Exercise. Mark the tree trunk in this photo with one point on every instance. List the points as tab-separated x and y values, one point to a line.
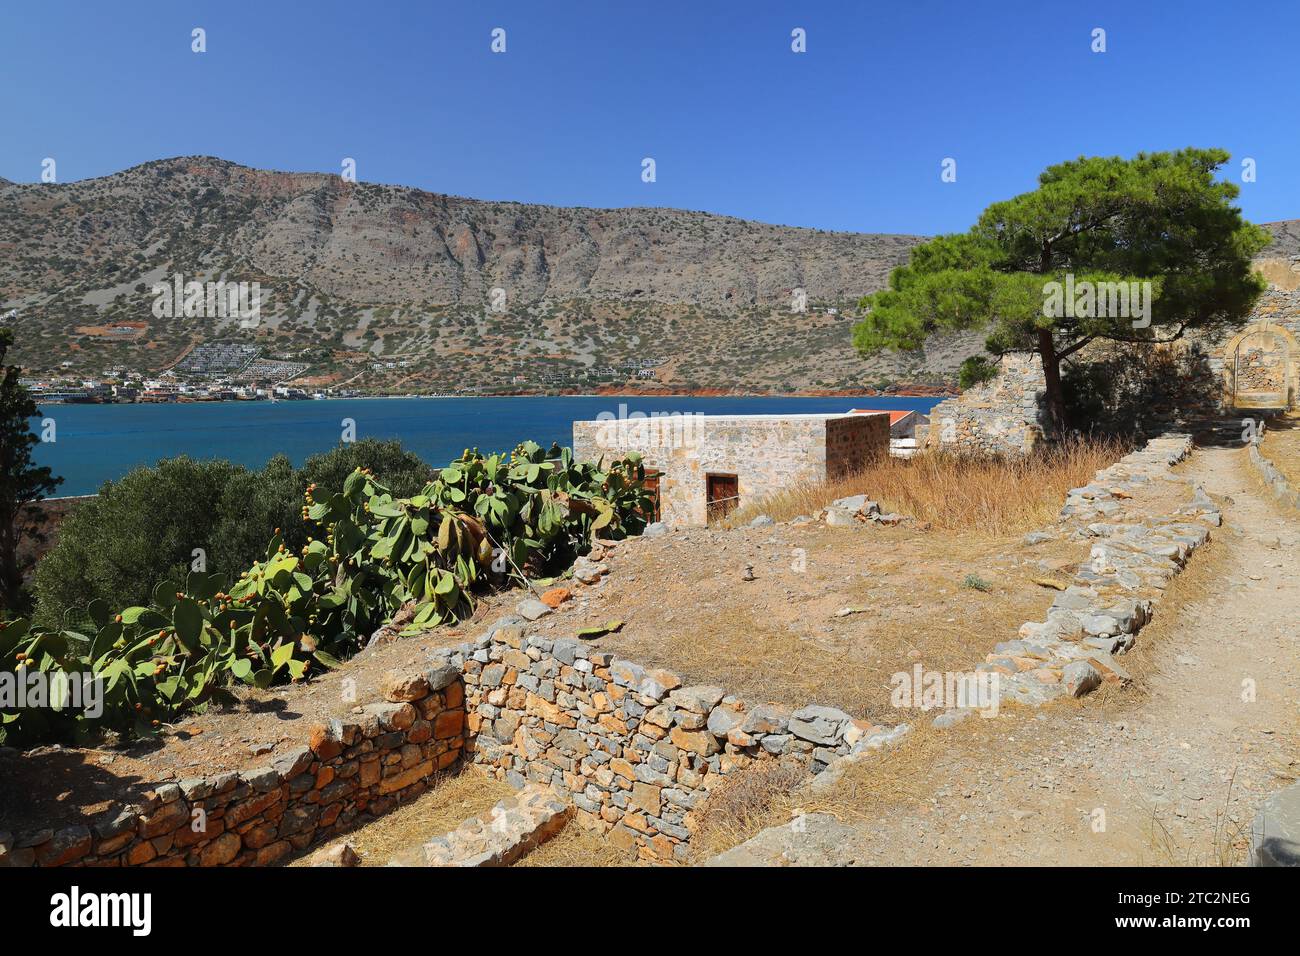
11	578
1052	375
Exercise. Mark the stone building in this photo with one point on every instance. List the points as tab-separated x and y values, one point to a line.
707	465
1251	369
1259	364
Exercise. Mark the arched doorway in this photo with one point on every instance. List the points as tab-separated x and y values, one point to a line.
1259	366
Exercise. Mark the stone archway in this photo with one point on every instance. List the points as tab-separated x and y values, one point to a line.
1260	367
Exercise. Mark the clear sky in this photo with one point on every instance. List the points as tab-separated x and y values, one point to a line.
848	135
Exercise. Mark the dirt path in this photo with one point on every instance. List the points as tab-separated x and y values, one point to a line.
1168	771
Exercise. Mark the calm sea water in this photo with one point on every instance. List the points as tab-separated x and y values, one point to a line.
97	443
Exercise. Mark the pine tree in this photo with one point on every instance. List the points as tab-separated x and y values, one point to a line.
1094	222
21	481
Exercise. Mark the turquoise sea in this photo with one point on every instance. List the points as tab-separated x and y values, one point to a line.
97	443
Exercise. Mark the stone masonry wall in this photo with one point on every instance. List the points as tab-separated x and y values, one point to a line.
1271	475
1002	416
765	452
1262	356
1135	553
350	770
849	445
636	751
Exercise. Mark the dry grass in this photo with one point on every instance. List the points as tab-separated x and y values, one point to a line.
573	847
778	639
955	492
1281	445
451	799
767	795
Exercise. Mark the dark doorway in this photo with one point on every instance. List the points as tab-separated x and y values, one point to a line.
722	493
651	485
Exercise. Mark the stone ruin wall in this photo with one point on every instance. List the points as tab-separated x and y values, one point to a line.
351	770
1004	416
766	453
637	752
849	445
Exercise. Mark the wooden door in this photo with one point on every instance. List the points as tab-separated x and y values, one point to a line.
722	494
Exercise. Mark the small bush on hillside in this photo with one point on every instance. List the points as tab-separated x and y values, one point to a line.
140	529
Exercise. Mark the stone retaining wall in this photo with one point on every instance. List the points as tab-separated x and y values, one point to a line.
636	751
1134	557
1277	482
350	770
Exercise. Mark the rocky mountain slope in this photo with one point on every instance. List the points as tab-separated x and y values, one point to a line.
392	288
383	283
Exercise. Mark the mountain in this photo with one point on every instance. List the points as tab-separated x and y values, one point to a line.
1286	239
387	288
393	287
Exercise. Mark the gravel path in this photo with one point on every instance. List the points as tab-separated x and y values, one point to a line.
1167	772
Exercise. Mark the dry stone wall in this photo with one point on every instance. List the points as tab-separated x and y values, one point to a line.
636	751
1277	483
1003	416
1134	556
350	770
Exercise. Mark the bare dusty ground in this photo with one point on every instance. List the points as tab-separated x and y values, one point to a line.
915	596
939	599
1167	771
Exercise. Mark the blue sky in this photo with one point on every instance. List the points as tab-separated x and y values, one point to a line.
849	135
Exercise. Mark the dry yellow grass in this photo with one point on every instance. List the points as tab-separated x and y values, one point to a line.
954	492
572	847
1281	445
451	799
768	795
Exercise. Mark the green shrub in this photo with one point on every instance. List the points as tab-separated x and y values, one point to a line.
145	527
403	472
478	524
139	530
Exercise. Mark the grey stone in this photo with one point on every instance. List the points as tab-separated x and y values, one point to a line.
532	609
1079	678
261	779
856	504
723	719
441	675
1275	831
699	699
819	725
766	719
881	739
294	762
654	530
815	839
